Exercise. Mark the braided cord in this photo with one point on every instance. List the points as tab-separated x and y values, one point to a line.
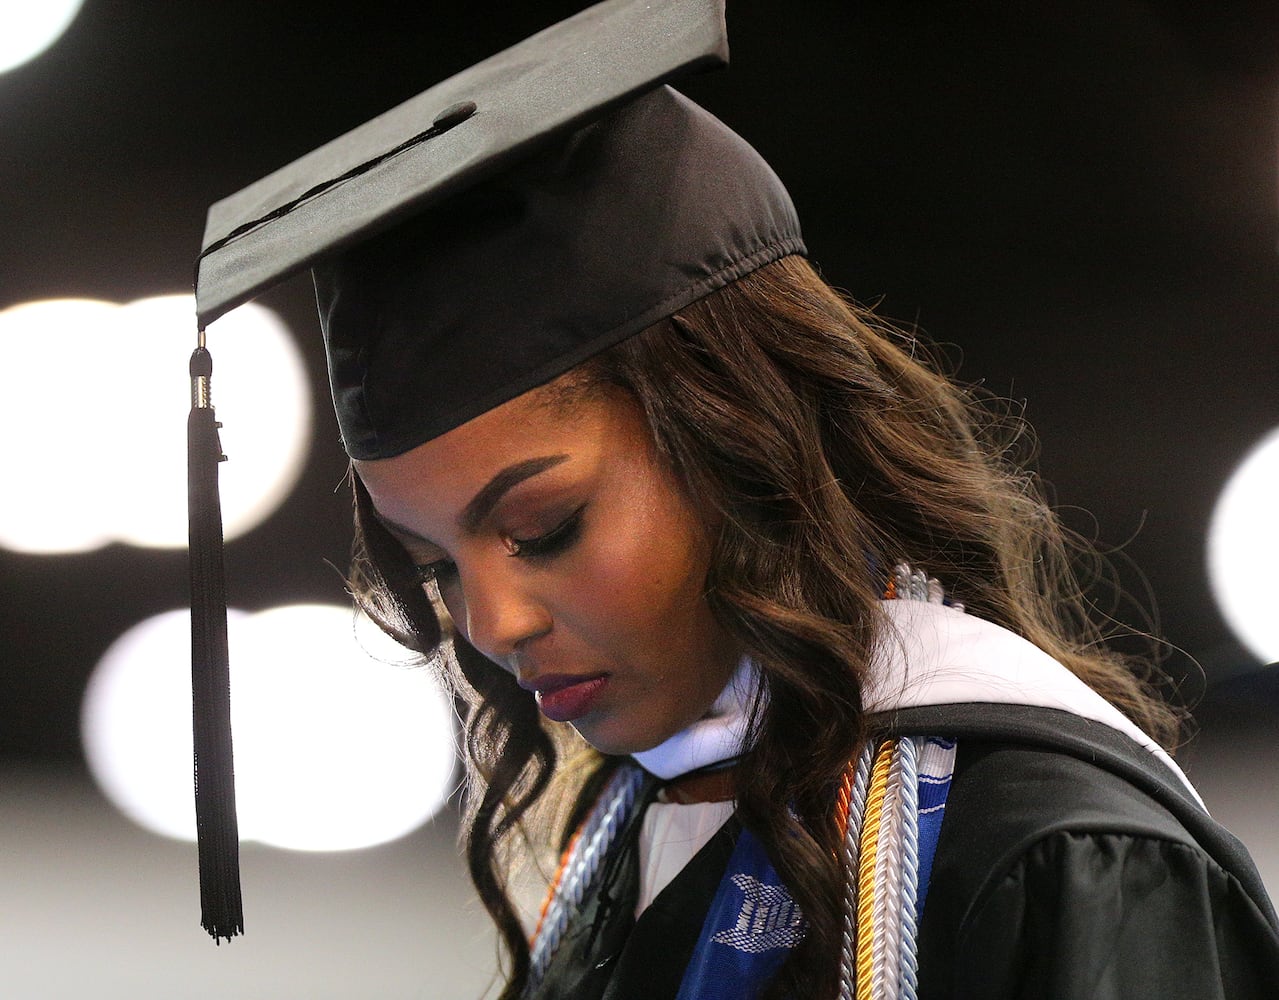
882	901
844	801
888	871
581	863
565	858
851	828
868	854
908	958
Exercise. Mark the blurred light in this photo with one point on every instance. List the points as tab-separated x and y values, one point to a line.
93	406
1243	549
28	27
135	723
340	742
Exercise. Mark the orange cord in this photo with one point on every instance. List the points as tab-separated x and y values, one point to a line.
844	800
555	883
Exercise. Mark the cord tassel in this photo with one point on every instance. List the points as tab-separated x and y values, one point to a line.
217	833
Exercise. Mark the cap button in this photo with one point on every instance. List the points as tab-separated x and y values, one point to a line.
454	114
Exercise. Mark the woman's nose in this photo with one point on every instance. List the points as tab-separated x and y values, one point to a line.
502	612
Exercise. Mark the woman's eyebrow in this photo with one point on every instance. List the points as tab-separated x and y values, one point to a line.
482	504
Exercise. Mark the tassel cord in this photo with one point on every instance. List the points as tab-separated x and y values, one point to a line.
221	910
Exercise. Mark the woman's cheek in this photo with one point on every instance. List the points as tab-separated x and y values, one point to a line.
454	603
642	584
607	577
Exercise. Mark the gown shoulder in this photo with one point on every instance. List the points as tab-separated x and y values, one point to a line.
1056	877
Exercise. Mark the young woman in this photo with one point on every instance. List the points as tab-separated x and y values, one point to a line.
771	655
740	484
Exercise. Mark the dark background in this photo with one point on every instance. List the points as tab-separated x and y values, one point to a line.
1079	198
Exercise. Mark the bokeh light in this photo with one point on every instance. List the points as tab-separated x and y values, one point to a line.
341	742
28	27
1243	549
93	406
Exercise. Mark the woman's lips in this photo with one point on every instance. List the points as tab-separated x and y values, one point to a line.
563	699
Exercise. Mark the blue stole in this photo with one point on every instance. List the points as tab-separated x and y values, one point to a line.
751	926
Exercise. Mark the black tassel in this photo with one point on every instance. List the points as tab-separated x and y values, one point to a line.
217	832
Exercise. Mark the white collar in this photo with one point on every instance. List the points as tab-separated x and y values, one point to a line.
720	735
928	654
936	655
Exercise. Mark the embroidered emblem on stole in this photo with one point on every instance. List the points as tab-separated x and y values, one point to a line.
768	918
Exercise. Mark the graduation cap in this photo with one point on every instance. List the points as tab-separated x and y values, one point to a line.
473	243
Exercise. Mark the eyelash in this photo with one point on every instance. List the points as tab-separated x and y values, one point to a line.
434	572
550	543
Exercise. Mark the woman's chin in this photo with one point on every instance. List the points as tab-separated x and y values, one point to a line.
614	740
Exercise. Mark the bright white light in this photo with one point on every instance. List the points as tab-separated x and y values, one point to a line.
1243	549
339	742
135	723
27	29
93	406
344	745
52	391
263	399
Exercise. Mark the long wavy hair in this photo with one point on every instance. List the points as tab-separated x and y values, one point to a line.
825	446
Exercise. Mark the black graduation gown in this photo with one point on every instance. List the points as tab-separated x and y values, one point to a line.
1070	865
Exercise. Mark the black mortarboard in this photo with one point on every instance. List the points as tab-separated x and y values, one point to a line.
481	239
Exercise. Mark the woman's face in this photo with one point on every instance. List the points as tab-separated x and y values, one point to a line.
567	553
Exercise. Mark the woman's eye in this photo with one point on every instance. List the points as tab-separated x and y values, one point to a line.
559	538
437	571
